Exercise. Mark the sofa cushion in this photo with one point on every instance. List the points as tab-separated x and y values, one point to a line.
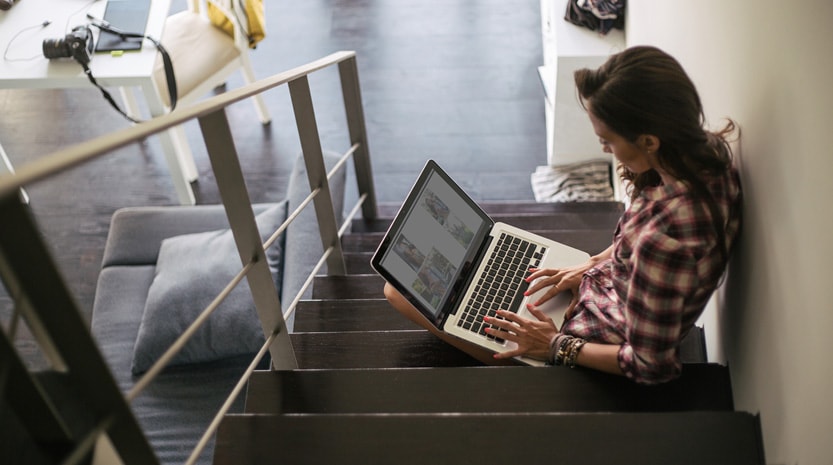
191	270
136	232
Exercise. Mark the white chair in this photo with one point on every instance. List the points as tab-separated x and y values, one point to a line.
203	58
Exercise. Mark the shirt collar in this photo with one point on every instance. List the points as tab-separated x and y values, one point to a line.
665	191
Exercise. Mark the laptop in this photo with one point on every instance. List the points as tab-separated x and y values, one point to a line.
448	258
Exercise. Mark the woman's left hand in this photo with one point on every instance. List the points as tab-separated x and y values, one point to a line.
532	336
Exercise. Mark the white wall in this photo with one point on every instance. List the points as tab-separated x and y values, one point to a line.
769	65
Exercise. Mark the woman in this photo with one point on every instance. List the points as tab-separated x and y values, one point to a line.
635	302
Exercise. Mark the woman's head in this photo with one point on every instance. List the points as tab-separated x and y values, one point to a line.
643	96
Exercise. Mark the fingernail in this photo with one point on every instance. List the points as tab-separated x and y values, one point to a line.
487	318
526	293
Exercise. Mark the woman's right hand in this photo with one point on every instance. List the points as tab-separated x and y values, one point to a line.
560	280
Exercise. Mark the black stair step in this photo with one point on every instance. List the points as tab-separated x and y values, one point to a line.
555	221
358	262
387	209
679	438
351	315
348	315
461	390
376	349
357	286
591	241
360	242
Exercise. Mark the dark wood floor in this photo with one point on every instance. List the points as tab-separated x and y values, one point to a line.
453	80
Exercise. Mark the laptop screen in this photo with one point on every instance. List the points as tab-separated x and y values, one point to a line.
428	251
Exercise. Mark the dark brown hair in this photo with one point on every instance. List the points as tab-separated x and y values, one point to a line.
643	90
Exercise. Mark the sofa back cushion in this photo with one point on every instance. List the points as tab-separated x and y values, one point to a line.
191	270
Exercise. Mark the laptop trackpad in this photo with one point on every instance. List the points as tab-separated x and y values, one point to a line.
554	308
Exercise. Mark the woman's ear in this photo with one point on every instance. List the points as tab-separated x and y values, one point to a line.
649	143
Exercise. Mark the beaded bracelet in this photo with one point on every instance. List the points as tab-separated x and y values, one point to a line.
558	350
564	350
575	347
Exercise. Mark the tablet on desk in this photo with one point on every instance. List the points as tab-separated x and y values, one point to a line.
126	16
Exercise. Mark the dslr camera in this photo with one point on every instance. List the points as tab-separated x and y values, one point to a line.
78	44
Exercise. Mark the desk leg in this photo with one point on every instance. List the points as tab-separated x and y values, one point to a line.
181	146
182	167
131	106
6	167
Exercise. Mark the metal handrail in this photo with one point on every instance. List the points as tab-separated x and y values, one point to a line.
72	156
214	125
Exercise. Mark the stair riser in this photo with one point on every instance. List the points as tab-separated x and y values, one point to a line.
368	286
349	315
587	439
376	349
461	390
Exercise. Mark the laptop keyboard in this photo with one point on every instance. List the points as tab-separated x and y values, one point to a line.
502	284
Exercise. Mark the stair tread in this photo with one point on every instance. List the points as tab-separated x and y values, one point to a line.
591	241
539	389
376	349
557	221
680	438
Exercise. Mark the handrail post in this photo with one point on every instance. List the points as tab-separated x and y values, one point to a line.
351	92
226	167
299	92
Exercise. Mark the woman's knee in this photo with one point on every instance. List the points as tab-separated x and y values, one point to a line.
404	306
396	299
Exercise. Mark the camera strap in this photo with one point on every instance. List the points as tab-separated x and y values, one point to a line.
166	63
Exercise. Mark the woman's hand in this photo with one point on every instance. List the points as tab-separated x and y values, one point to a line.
532	336
558	280
562	279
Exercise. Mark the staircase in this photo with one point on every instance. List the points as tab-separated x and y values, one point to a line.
374	388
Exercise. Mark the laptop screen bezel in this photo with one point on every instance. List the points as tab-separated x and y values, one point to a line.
437	319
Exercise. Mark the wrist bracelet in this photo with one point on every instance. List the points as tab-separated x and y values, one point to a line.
561	349
553	348
575	347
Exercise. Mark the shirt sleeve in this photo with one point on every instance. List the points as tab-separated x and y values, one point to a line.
664	272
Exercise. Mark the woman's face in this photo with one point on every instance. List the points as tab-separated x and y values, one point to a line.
634	158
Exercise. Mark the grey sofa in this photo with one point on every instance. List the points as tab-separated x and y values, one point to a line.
178	406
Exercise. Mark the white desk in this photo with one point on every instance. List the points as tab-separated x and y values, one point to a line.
131	70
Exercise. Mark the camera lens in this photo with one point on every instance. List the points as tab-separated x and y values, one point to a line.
55	48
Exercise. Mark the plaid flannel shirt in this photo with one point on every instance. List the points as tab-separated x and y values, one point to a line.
665	266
